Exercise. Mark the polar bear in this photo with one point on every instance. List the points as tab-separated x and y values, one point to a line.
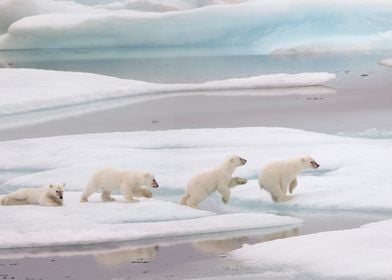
128	182
279	176
51	195
218	178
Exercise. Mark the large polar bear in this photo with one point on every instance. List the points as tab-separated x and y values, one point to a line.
279	176
51	195
218	178
129	182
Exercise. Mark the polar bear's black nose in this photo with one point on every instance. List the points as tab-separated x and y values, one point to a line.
155	184
243	161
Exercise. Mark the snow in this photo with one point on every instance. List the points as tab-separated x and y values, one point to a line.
78	223
70	93
354	172
253	27
361	253
386	62
13	10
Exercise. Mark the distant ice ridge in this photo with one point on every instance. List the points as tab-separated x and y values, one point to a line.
282	27
354	172
30	91
361	253
96	222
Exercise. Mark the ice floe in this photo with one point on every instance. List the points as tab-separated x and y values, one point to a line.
386	62
262	27
33	92
97	222
361	253
354	172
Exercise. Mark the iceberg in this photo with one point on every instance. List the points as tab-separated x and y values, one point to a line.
120	221
345	180
44	94
254	27
361	253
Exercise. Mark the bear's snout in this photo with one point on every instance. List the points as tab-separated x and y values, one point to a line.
243	161
315	164
155	184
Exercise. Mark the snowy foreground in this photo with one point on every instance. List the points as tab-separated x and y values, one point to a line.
354	175
78	223
262	27
30	95
362	253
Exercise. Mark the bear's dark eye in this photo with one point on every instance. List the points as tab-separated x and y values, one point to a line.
57	191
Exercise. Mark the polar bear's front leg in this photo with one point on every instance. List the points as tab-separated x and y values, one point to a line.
46	201
127	193
91	188
142	193
293	184
106	196
225	193
236	181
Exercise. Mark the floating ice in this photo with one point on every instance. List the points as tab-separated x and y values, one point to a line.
362	253
354	172
386	62
26	94
262	27
96	222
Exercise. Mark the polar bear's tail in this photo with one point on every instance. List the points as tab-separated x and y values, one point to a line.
184	199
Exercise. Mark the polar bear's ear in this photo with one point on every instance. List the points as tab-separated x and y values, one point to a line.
63	185
146	175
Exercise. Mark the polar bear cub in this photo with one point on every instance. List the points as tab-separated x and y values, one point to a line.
51	195
129	182
280	176
218	178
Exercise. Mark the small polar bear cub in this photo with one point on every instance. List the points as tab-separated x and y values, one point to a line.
51	195
218	178
279	176
128	182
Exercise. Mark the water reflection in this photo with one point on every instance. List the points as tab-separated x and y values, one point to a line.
223	246
126	256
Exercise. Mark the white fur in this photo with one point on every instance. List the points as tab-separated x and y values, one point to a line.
218	178
51	195
128	182
280	176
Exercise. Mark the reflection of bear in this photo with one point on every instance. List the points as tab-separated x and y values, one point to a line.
280	176
51	195
218	247
138	255
129	182
215	179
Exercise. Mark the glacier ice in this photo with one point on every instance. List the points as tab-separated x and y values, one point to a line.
262	27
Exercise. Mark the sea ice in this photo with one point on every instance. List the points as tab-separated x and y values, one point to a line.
27	94
97	222
386	62
354	172
361	253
